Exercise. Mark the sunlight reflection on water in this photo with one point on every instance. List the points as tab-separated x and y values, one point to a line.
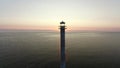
40	50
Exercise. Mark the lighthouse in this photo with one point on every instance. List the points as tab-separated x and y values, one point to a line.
62	45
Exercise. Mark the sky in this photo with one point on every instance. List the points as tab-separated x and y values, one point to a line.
98	15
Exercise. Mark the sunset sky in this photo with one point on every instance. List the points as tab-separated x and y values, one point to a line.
46	14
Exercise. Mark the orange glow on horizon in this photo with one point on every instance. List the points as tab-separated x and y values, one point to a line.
28	28
54	28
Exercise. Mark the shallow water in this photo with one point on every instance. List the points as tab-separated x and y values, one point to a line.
20	49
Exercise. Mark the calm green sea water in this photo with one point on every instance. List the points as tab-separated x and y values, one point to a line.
41	49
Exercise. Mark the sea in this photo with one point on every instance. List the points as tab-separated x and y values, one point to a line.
41	49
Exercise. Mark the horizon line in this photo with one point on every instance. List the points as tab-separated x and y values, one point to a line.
49	30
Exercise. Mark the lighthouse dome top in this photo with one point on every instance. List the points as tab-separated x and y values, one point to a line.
62	22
